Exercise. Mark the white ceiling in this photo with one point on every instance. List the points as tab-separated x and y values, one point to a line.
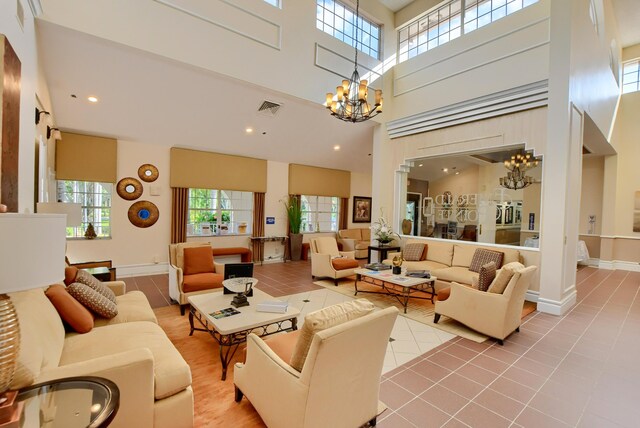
147	98
628	17
395	5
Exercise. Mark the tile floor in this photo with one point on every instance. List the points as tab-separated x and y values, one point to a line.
578	370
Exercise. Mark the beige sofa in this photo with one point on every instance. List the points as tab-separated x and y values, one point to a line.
130	349
357	240
450	261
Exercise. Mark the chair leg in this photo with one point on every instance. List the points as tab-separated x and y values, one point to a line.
436	318
335	281
373	422
500	342
239	394
518	329
183	308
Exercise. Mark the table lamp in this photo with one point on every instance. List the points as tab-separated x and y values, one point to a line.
32	256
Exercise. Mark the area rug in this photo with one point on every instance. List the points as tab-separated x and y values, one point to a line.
417	309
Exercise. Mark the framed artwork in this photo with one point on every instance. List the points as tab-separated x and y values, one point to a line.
361	209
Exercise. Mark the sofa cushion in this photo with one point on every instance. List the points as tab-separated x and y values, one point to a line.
41	336
486	276
440	252
343	263
350	234
444	294
93	300
84	277
510	255
455	273
171	372
201	281
366	234
283	344
421	265
70	273
362	245
323	319
70	310
179	251
132	306
482	256
415	251
198	260
326	246
503	277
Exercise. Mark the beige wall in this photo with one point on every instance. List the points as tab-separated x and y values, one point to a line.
591	195
360	186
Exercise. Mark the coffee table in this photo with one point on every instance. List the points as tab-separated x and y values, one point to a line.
401	287
232	331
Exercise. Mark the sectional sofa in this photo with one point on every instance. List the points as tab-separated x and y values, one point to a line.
130	350
357	240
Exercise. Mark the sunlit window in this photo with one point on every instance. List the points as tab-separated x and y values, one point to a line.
275	3
450	20
320	213
631	77
219	212
339	20
95	199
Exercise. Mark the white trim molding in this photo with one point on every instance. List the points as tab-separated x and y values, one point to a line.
142	269
532	296
619	265
36	7
521	98
555	307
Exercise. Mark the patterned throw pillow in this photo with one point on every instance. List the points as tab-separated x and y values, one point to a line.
483	256
84	277
487	275
93	300
413	252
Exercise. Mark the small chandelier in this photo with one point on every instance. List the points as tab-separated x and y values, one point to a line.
518	164
351	103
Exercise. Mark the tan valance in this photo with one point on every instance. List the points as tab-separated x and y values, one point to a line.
86	158
206	170
311	180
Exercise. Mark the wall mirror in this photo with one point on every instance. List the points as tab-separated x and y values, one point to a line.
489	197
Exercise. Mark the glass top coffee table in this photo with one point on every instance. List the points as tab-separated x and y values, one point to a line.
232	330
401	287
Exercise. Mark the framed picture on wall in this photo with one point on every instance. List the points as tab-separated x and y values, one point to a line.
361	209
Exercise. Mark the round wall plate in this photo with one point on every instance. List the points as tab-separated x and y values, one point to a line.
129	188
143	214
148	173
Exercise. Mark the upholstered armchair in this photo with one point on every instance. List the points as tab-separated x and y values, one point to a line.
496	315
328	261
338	384
199	276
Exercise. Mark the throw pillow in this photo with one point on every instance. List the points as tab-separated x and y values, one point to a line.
483	256
84	277
487	275
475	281
70	273
504	276
70	310
324	319
344	263
93	300
414	251
198	260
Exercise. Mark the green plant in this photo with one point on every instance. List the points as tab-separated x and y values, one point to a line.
294	213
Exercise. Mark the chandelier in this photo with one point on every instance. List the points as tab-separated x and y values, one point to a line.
517	178
351	104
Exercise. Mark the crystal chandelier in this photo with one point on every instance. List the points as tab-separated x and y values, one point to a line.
517	166
351	103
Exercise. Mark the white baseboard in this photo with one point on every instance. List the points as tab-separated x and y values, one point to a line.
142	270
590	262
532	296
272	260
555	307
619	265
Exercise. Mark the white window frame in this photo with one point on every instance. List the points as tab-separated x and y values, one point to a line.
631	76
215	208
338	20
312	214
96	210
449	20
274	3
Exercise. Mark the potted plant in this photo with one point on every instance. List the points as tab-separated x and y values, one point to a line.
383	232
294	215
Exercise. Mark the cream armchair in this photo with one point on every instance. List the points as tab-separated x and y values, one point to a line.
327	261
496	315
339	382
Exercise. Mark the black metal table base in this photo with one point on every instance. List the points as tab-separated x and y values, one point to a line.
391	289
229	342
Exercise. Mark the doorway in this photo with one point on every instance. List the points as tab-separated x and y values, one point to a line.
412	212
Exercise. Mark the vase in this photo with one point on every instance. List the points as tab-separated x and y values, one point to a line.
295	246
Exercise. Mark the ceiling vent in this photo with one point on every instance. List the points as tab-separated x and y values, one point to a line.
269	108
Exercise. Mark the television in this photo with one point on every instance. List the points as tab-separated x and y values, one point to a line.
238	270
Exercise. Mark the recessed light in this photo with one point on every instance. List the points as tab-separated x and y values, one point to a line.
336	148
248	130
445	169
457	172
92	99
420	165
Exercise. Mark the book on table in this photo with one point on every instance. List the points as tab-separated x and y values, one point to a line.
276	306
418	274
223	313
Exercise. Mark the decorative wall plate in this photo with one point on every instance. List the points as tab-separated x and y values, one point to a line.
143	214
129	188
148	173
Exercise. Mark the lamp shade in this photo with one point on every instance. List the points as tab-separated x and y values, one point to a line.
73	211
32	250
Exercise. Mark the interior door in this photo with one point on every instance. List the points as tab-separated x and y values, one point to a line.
413	212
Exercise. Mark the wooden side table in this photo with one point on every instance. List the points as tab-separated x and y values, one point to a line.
102	273
382	251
